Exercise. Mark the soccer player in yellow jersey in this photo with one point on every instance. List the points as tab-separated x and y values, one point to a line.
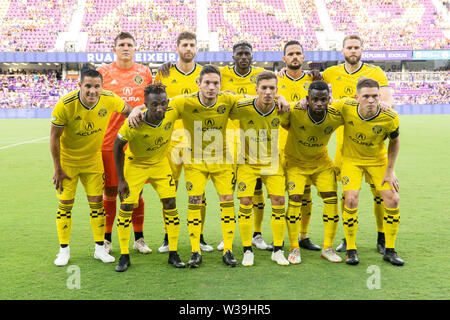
259	121
180	78
79	122
145	159
343	79
240	78
364	152
294	87
205	116
307	161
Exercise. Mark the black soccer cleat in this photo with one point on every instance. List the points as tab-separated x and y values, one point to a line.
229	259
381	244
124	263
391	256
342	247
352	257
307	244
195	260
174	259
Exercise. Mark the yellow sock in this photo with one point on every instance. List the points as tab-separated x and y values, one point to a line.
172	224
258	210
278	225
350	221
98	220
293	222
64	222
391	224
330	220
164	219
123	230
305	216
378	208
245	224
228	222
194	222
203	213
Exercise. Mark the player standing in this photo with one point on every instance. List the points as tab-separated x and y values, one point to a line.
180	78
293	85
79	122
145	159
364	153
128	80
343	79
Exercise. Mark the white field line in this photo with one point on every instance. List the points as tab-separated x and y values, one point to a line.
23	142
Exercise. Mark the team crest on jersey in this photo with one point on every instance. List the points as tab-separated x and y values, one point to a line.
189	185
138	79
328	130
221	109
242	186
102	112
291	185
168	125
345	180
306	85
377	129
275	122
253	79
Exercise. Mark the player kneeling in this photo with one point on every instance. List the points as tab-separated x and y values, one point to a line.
145	159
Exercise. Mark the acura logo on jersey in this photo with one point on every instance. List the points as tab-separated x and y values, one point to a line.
295	97
241	90
348	91
360	136
127	91
312	139
209	122
186	91
159	141
89	126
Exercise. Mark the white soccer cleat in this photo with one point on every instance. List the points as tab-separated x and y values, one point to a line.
278	257
164	247
294	256
258	242
141	246
331	255
101	254
220	246
108	245
206	247
63	257
248	259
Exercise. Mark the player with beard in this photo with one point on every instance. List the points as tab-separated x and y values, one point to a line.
180	78
293	85
343	79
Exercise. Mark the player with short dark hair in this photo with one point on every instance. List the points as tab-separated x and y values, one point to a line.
128	80
145	160
79	121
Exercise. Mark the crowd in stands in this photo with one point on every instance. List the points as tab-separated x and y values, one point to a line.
33	89
34	25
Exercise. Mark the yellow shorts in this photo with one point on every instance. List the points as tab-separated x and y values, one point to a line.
92	177
324	178
222	176
174	156
247	175
352	174
159	175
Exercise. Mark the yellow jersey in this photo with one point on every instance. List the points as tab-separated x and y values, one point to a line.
364	139
179	83
259	132
206	125
240	84
308	139
149	143
84	127
343	83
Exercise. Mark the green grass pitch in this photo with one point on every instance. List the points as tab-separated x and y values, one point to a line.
28	238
